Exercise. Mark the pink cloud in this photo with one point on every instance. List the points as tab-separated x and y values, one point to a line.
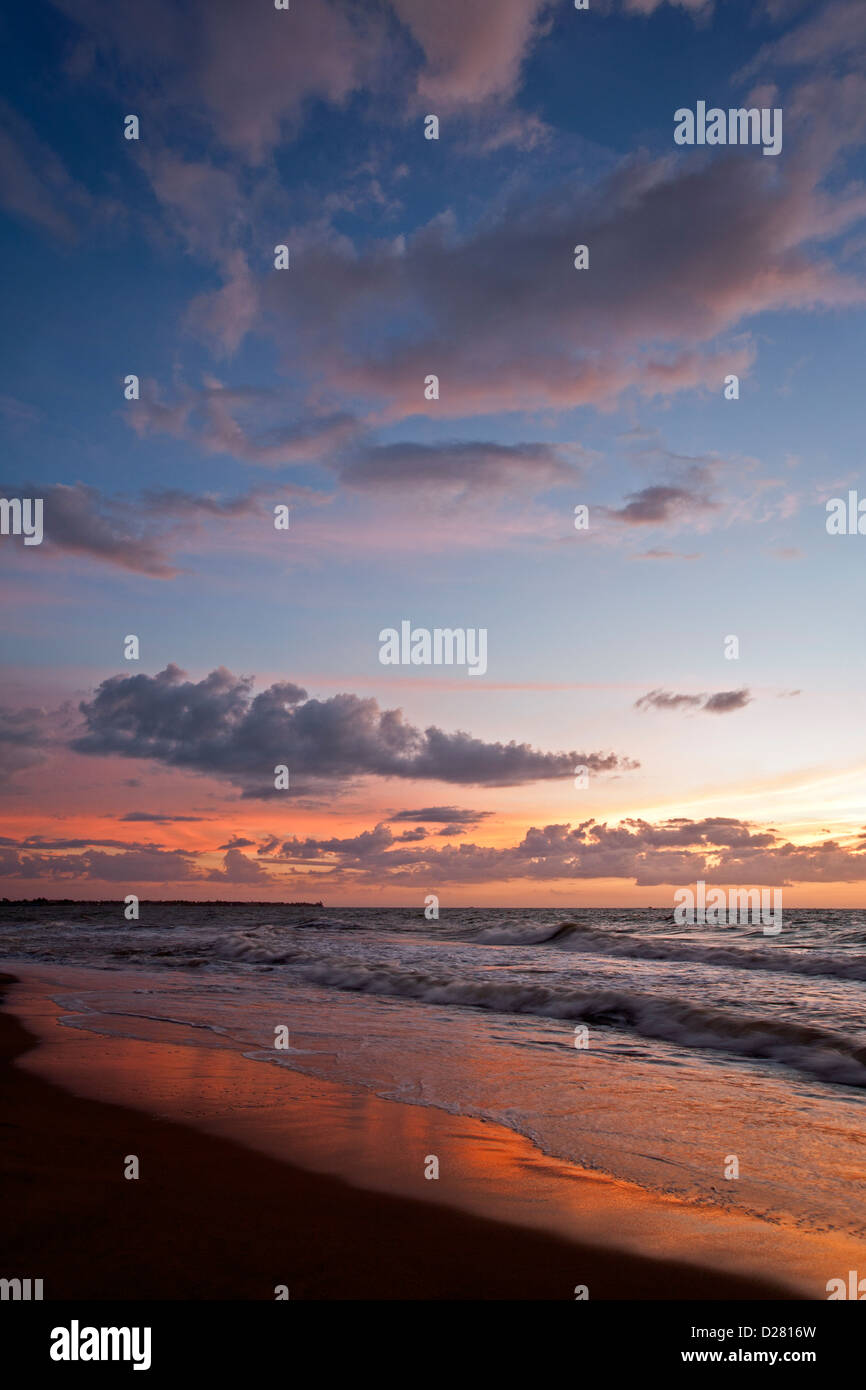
505	321
250	68
472	51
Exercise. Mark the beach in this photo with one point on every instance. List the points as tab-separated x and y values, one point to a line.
216	1214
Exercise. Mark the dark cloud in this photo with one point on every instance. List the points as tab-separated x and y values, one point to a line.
230	420
726	701
678	851
132	534
129	866
463	469
218	727
237	868
723	702
431	815
356	848
657	504
665	699
24	737
42	842
27	736
655	554
156	818
37	857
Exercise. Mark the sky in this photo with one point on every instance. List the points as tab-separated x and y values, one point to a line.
306	387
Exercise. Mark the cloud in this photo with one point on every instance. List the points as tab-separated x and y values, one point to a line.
646	7
502	317
27	736
675	851
447	475
654	505
18	412
656	554
520	130
664	699
237	868
248	71
43	843
251	72
724	702
229	420
37	857
368	845
158	819
458	470
825	110
678	851
35	184
496	309
218	727
776	10
432	815
697	492
129	866
837	30
472	52
132	535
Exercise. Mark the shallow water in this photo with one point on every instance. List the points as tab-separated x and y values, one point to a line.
702	1045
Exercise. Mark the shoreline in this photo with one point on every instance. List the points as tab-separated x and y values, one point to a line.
212	1218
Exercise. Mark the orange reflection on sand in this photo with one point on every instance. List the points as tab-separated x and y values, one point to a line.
384	1146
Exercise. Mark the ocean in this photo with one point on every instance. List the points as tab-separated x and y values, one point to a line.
612	1039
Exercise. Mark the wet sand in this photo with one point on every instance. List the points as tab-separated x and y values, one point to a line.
212	1218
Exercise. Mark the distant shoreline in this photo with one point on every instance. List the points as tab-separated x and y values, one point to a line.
164	902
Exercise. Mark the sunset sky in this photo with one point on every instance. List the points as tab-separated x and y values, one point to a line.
558	387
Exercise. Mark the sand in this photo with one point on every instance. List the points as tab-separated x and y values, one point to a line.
210	1218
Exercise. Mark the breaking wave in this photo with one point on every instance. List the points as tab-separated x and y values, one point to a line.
574	936
827	1056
